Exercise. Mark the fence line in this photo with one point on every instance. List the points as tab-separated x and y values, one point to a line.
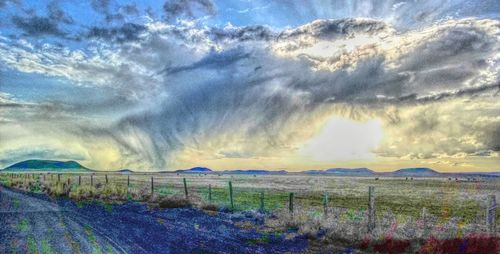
371	204
491	215
371	208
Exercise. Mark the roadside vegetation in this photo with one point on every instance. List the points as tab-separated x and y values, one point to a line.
409	215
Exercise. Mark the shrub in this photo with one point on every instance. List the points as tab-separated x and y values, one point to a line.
209	207
113	192
83	192
58	190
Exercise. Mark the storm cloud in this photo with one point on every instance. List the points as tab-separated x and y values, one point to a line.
188	8
125	33
37	26
174	94
249	89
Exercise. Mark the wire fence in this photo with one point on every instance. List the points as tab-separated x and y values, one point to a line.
256	192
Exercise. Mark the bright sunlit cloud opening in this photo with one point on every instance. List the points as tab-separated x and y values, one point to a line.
344	139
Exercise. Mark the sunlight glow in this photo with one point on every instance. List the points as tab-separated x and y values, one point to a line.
344	139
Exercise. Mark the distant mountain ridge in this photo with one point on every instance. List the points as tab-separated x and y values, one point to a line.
73	166
255	171
195	170
125	171
342	171
47	165
416	172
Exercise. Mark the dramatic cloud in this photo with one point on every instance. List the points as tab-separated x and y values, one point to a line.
100	6
188	8
125	33
455	128
130	9
255	95
37	26
13	156
57	14
166	95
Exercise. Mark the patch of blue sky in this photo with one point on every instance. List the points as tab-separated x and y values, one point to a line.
34	87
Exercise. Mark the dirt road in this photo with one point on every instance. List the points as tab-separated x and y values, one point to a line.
35	223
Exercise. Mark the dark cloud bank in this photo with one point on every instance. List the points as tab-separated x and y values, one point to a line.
242	88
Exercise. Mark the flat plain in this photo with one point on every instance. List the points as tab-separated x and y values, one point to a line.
331	211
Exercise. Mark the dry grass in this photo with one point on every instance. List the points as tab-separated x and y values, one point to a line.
454	209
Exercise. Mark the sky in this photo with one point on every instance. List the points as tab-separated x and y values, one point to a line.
251	84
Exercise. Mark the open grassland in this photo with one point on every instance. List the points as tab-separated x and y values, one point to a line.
405	209
441	197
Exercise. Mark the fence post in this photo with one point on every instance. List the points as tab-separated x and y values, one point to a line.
79	180
185	187
152	187
92	180
325	204
128	185
231	195
58	178
69	180
106	176
210	193
262	201
290	202
491	215
371	208
424	222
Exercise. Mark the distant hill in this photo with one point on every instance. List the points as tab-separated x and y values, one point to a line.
125	171
73	166
416	172
47	165
195	170
255	172
343	171
473	174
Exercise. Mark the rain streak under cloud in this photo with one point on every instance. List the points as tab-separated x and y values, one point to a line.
255	84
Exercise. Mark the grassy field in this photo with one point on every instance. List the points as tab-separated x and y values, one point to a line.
453	209
443	198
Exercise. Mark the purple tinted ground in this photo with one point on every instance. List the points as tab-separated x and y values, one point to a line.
127	228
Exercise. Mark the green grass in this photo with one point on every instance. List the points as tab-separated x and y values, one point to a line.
32	245
442	198
16	203
23	225
245	199
264	239
89	233
75	246
5	181
96	249
47	248
35	187
166	191
108	207
109	249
